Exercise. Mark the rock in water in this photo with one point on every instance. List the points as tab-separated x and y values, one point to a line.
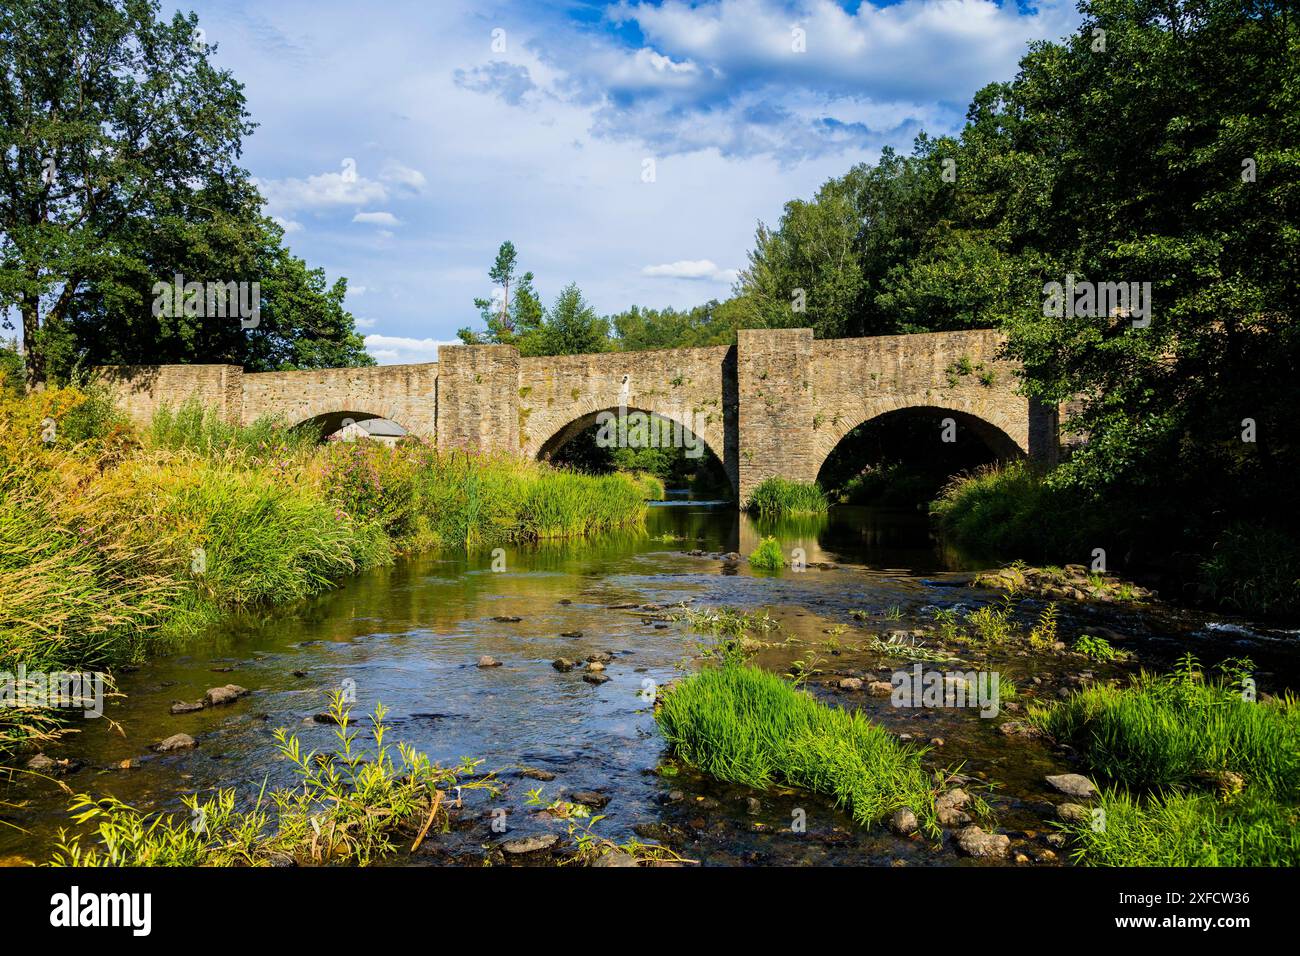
486	661
224	695
903	822
175	742
530	844
975	842
562	664
1073	785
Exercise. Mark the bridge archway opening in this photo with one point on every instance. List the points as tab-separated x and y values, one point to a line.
905	457
634	439
345	425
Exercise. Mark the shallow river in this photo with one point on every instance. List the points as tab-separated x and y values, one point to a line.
410	637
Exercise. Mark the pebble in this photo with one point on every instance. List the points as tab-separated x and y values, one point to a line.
486	661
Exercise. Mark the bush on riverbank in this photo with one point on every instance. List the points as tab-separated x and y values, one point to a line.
110	538
748	726
1206	775
775	497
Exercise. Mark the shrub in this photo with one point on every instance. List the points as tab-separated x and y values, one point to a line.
768	556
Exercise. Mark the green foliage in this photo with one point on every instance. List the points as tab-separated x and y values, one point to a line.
119	143
768	556
713	323
1189	829
744	725
1095	648
1212	777
1176	730
775	497
196	428
352	806
1255	570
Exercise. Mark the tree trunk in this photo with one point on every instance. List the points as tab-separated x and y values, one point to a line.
31	345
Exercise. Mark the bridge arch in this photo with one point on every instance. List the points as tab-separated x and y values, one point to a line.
544	449
941	439
325	423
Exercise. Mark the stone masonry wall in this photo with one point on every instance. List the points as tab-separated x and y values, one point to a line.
777	403
478	397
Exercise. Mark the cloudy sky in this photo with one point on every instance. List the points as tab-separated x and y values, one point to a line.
629	147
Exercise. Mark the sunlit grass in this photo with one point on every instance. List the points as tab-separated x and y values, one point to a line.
745	725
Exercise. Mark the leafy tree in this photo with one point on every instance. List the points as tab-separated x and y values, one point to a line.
571	328
118	169
507	320
713	323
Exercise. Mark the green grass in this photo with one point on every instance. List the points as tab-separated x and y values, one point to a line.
776	497
768	556
1165	731
1188	829
747	726
1205	776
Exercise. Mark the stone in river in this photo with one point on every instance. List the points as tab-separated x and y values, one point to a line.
903	821
486	661
975	842
589	798
175	742
562	664
181	707
595	678
1073	785
224	695
530	844
507	619
850	683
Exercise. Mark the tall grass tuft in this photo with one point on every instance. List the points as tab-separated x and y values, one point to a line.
776	497
1176	730
1208	776
747	726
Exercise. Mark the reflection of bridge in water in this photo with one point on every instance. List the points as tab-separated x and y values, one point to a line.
775	404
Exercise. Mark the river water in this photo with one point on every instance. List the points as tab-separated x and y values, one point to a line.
410	636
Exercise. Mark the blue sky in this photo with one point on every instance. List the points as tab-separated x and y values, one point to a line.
400	143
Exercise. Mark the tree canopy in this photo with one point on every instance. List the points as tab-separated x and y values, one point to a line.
119	150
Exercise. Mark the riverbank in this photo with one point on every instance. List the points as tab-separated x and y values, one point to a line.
1012	512
115	539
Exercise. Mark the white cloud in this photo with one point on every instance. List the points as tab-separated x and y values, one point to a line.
288	225
690	269
366	323
397	350
377	218
394	172
344	188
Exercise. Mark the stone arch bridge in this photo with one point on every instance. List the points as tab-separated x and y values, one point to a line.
775	404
